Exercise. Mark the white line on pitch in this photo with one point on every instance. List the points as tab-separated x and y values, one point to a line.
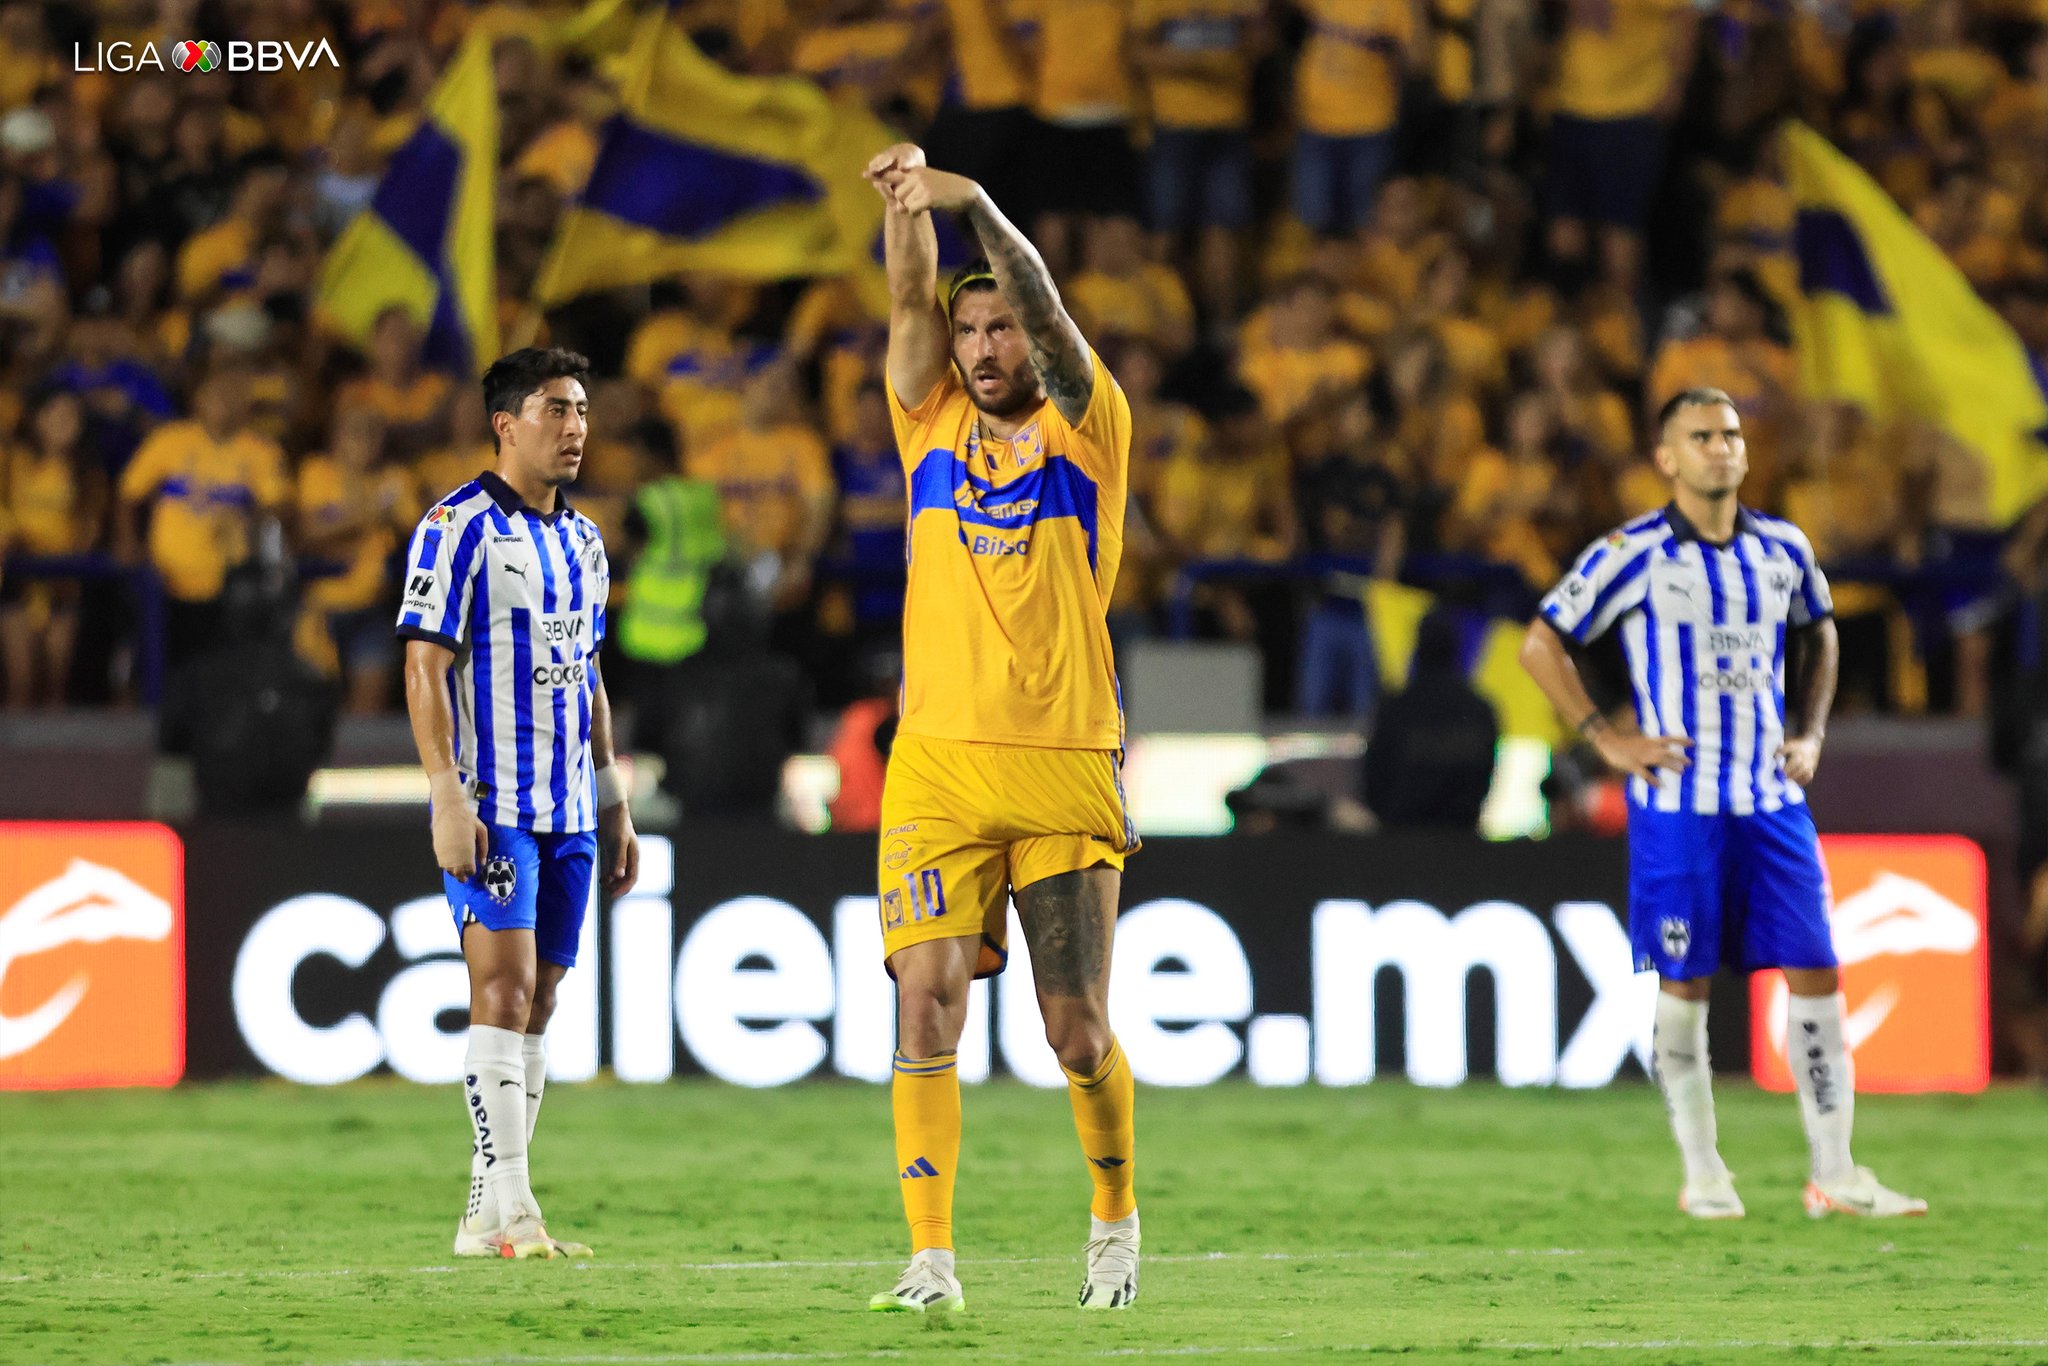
329	1273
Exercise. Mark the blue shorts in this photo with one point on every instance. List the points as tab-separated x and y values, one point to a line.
1742	892
1336	179
1198	178
530	881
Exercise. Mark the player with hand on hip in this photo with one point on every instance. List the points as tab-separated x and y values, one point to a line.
1004	781
503	616
1711	601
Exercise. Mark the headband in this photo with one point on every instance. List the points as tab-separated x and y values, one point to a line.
953	292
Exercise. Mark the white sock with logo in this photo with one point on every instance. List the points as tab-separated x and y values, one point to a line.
1684	1073
483	1205
1819	1057
494	1080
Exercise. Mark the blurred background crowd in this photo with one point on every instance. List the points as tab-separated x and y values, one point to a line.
1392	286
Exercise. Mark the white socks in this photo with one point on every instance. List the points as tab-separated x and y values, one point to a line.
494	1083
1819	1058
482	1212
1679	1054
534	1053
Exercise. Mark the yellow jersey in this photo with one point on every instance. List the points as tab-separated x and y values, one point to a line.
47	503
1348	77
1615	60
1218	93
207	495
985	55
766	481
330	493
1014	550
1084	76
220	257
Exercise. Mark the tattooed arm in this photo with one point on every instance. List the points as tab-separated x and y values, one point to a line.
1058	351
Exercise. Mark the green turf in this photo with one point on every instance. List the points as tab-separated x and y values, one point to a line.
268	1223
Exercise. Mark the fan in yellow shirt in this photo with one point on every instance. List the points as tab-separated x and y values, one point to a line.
1196	57
53	502
354	511
1086	97
774	480
1124	294
1347	84
984	124
412	401
205	484
1297	359
1621	68
221	260
1004	781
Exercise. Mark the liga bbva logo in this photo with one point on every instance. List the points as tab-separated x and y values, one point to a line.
203	54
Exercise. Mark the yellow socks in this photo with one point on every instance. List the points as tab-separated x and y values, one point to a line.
1104	1117
925	1095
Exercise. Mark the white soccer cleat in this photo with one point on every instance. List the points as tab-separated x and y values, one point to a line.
925	1287
1860	1194
1111	1281
474	1241
1714	1198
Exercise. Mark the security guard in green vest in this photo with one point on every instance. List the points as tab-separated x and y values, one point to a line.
681	540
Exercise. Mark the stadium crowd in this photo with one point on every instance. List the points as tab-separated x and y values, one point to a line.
1391	286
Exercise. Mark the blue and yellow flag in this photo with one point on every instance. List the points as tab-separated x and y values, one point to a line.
1885	320
706	170
425	243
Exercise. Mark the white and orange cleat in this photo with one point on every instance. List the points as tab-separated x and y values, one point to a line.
1860	1194
524	1237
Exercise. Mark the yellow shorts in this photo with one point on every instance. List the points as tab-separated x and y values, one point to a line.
963	825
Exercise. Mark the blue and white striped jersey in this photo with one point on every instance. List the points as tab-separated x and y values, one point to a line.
520	600
1703	630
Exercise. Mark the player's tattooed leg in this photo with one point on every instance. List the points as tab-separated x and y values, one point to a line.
1068	920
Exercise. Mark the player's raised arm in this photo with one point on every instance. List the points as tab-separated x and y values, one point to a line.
919	344
1058	352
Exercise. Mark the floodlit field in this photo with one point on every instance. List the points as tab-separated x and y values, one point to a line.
264	1223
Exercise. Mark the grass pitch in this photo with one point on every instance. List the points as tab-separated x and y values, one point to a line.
263	1223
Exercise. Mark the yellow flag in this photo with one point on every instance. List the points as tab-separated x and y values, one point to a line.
1885	320
425	242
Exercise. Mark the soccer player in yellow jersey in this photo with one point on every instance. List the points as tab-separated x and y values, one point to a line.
1003	783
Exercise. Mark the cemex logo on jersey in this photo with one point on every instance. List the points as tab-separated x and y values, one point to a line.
199	55
1908	921
92	956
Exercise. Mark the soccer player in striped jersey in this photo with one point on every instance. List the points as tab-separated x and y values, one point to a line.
1718	607
503	615
1004	780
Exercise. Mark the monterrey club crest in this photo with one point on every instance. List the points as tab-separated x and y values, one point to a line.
501	877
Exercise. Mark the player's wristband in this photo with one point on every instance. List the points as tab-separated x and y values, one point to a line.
1593	722
446	789
611	786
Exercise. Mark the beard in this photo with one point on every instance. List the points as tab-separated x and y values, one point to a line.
1020	391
